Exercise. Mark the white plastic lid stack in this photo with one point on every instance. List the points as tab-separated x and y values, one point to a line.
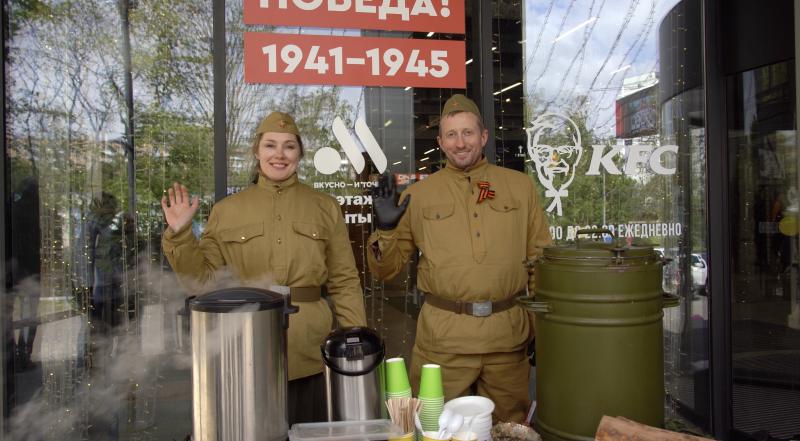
477	413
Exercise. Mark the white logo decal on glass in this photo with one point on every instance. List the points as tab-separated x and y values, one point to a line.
555	166
327	160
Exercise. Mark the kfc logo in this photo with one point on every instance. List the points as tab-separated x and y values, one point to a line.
556	165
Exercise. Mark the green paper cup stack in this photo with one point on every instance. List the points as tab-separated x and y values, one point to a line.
431	394
397	385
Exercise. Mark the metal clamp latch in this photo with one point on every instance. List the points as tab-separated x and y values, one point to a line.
482	309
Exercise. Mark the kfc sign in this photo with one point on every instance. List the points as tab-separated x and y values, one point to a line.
556	165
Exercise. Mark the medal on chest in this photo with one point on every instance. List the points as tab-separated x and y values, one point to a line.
485	191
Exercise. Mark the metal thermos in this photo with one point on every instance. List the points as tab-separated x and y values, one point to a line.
599	337
353	374
239	365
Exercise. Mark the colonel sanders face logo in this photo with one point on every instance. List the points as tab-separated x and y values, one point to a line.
555	165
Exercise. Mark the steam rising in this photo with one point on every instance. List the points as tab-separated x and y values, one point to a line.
95	380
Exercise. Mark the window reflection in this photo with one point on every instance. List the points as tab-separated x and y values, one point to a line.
686	328
90	322
625	80
686	271
764	251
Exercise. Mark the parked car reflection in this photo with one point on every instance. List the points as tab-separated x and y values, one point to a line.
671	274
699	270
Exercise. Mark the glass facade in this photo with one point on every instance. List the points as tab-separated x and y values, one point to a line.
601	103
766	309
682	123
106	104
625	94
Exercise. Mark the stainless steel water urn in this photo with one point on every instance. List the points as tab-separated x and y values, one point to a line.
353	374
239	372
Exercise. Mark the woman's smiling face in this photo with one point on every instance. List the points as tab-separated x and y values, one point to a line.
278	155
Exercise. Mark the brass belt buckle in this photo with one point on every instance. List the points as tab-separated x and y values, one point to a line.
482	309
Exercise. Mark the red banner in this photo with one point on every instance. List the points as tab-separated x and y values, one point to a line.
353	61
394	15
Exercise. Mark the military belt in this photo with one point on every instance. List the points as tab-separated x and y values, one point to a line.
475	309
306	294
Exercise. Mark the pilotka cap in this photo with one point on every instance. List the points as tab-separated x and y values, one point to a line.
278	122
460	103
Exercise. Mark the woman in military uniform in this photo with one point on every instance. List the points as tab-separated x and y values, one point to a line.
278	231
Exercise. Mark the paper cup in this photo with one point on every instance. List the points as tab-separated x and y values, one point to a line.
430	382
401	394
431	410
396	377
407	437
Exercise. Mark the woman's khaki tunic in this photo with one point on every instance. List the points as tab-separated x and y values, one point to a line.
282	234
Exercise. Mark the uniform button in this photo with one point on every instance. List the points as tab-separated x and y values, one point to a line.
280	191
313	234
475	214
279	241
478	234
279	217
243	237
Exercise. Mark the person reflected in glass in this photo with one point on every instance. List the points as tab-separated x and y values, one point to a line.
25	266
277	231
111	253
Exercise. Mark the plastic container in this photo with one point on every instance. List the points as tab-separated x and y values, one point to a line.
367	430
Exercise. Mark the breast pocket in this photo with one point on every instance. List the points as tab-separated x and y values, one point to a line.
438	227
505	217
310	242
244	248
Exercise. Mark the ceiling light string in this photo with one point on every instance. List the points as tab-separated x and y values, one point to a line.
628	16
552	48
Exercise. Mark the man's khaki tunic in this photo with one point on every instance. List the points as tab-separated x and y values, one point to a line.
471	252
282	234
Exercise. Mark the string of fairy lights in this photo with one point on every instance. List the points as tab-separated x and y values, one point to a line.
566	90
549	57
586	35
580	54
639	43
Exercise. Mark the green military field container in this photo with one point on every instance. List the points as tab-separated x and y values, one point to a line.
599	337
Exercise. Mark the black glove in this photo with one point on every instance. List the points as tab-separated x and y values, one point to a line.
384	202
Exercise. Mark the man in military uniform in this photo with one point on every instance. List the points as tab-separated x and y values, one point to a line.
476	226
